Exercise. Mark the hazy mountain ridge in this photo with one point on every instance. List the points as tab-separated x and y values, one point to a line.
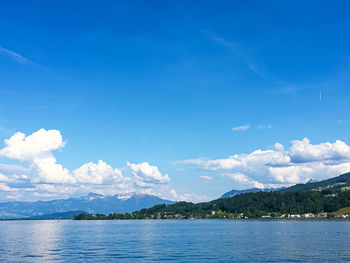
250	190
91	203
334	184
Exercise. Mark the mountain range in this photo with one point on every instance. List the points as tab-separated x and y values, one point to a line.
126	203
91	203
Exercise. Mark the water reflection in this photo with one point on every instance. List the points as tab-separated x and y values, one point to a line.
44	239
175	240
29	240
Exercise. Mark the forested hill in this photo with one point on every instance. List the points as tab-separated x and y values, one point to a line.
335	184
325	196
257	204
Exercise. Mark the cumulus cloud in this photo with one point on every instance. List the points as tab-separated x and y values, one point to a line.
98	173
26	148
148	173
255	159
301	162
244	180
279	147
47	170
39	173
37	151
241	128
188	197
303	151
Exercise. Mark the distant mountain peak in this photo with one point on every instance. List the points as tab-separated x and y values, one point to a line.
91	196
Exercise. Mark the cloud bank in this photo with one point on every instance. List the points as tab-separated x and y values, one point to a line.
277	166
39	175
36	173
146	172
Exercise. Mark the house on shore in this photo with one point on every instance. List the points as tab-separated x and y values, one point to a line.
308	215
294	216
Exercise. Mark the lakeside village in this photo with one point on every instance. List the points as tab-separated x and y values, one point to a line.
328	199
224	215
213	215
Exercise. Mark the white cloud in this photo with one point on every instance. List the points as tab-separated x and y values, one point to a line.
37	149
46	195
146	172
142	184
6	188
290	174
255	159
302	172
303	151
206	177
279	147
241	128
244	180
188	197
13	169
13	196
4	178
38	145
301	162
54	188
47	170
38	173
100	173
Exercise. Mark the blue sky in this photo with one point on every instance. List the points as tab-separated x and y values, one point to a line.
168	83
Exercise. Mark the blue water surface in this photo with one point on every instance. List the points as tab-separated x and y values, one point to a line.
175	241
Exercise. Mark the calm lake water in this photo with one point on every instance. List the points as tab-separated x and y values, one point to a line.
175	240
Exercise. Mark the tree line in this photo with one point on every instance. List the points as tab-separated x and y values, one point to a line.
252	205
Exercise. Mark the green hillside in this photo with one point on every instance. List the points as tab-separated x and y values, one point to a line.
342	210
326	196
334	185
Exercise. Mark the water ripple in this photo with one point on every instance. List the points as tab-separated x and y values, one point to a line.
175	241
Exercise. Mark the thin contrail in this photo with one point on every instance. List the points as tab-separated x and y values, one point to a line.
23	60
14	55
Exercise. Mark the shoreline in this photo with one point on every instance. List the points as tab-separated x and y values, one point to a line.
186	219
